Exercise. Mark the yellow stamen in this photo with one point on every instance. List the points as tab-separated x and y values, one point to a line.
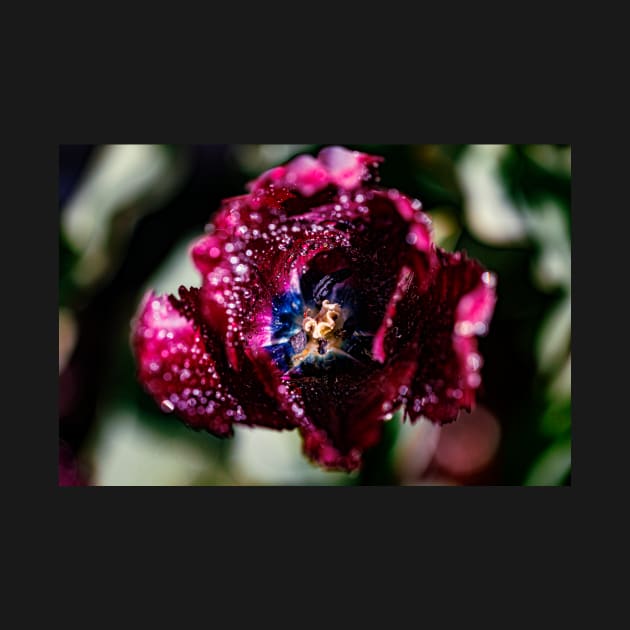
325	325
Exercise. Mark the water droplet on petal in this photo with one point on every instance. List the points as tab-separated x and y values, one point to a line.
474	380
489	279
454	393
167	406
474	361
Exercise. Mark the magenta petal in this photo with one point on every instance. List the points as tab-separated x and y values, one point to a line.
306	174
473	315
176	369
346	169
334	166
475	308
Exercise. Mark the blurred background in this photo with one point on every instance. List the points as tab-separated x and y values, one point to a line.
127	215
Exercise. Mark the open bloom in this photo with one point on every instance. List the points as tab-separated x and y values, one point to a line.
325	307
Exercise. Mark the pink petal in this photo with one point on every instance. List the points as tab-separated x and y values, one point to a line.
176	369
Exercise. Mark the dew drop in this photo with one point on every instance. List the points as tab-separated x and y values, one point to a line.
412	238
167	406
474	380
489	279
464	328
474	361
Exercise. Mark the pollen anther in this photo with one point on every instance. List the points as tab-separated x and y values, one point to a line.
321	328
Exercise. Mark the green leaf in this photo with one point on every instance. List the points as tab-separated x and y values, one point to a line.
552	467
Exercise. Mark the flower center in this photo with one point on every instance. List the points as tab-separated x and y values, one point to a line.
317	326
324	331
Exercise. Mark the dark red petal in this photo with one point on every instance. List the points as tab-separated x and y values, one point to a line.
342	415
260	408
454	310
